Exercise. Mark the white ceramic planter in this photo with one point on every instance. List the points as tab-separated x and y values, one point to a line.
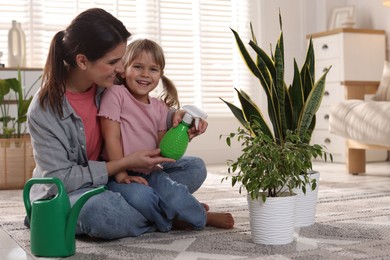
306	205
272	222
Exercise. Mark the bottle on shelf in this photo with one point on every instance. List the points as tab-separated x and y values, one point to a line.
23	41
16	46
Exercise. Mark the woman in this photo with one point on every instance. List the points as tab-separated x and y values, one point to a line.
62	120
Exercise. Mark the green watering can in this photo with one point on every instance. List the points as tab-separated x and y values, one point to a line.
53	221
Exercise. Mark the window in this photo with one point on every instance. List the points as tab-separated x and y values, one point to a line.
201	54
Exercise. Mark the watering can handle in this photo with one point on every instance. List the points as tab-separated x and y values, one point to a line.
31	182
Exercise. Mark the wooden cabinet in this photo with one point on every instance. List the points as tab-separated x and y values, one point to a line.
355	55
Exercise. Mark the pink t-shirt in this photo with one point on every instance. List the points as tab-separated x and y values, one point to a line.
139	122
85	107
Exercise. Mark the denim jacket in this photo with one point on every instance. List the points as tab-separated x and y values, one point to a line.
59	148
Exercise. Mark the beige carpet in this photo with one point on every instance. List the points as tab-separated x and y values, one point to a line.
352	222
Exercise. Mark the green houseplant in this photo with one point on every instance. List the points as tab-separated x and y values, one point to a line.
11	93
291	109
276	159
16	156
270	169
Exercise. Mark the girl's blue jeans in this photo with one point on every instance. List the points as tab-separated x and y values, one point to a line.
133	209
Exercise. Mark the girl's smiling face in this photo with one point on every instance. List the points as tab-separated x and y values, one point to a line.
142	76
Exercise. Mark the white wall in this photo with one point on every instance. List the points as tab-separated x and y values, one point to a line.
372	14
210	147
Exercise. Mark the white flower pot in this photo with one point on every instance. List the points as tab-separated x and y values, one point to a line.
272	222
305	212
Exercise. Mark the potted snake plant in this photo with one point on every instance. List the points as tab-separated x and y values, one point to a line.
276	160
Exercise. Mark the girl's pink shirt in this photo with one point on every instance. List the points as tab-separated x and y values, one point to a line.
85	107
139	122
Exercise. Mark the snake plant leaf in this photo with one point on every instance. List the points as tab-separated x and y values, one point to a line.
308	70
245	55
252	113
288	108
279	99
297	97
280	21
265	65
267	80
311	128
310	59
253	34
237	112
312	104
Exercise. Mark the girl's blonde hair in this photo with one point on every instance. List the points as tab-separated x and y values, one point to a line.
134	49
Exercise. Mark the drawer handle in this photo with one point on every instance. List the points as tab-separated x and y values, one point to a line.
326	116
325	47
324	70
327	140
326	93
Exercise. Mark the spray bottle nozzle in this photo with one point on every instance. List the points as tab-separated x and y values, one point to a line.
193	113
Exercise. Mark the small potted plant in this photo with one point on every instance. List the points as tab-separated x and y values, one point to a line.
271	171
16	156
291	110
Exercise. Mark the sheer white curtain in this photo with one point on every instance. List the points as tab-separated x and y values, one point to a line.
201	54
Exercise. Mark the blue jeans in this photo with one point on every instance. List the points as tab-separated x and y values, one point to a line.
162	201
111	215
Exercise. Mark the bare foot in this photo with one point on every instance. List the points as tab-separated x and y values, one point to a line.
220	220
205	206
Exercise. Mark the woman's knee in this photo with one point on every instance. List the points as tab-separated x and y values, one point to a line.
140	196
109	216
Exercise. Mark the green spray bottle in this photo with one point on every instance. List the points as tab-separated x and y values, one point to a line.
175	141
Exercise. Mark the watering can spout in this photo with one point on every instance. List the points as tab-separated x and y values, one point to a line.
75	211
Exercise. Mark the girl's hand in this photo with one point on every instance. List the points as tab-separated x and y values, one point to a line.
202	126
192	132
177	117
129	179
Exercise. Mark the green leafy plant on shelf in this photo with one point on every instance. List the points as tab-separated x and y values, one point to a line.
11	93
277	157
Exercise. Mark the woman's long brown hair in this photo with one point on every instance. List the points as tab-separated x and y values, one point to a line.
93	33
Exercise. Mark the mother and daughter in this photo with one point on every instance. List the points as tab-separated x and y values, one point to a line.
79	114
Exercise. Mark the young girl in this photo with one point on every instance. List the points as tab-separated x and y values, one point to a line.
131	120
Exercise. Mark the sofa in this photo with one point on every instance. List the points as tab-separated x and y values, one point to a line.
364	123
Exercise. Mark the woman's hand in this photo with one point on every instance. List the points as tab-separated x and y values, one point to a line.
141	161
146	161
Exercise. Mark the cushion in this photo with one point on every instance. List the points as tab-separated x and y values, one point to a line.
365	122
383	92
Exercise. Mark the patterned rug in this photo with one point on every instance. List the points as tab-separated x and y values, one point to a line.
352	222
